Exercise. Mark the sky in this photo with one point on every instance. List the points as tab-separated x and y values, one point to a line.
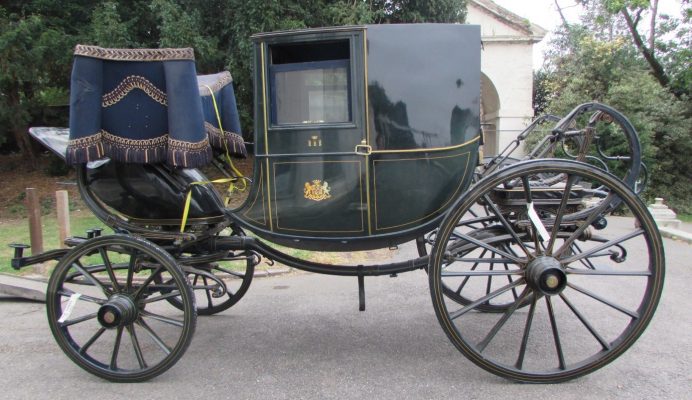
544	13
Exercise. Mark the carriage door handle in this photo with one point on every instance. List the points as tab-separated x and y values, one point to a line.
363	148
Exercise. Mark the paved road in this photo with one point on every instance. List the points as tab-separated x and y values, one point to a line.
301	336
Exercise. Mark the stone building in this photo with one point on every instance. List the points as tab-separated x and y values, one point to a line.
506	71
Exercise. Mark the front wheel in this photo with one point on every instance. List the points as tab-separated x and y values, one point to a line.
574	294
107	308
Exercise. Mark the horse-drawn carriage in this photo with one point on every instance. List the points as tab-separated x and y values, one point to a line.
365	137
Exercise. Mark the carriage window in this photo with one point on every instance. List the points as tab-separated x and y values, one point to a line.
310	83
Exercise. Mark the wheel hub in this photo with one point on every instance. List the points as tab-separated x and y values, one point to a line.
119	310
546	275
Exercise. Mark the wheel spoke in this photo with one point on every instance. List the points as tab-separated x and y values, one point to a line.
509	278
603	246
482	260
606	271
150	278
473	268
578	232
604	301
529	200
92	340
491	248
159	342
490	277
159	298
483	273
560	213
109	268
131	270
500	323
527	329
116	349
135	345
589	327
485	299
506	224
161	318
77	320
586	261
208	293
229	272
67	293
91	278
556	334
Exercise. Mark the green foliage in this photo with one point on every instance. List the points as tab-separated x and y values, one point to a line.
586	64
179	27
107	27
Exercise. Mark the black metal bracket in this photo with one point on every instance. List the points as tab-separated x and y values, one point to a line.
21	262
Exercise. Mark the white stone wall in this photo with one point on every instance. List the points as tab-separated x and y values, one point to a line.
507	61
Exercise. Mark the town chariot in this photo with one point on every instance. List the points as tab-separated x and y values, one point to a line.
541	269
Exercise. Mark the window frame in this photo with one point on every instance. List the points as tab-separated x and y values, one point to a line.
273	69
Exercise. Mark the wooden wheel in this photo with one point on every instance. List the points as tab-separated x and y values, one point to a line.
108	312
572	298
218	286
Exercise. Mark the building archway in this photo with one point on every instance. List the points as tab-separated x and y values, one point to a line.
507	68
490	116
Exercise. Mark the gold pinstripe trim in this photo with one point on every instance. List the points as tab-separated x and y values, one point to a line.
266	135
259	192
367	129
458	188
360	191
426	150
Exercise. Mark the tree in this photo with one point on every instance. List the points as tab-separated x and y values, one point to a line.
108	29
27	83
664	43
587	62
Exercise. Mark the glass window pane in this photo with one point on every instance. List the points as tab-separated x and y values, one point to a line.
311	93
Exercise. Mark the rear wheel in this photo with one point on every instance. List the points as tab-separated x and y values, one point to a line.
571	298
219	285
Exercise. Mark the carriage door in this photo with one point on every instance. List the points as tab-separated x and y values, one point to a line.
313	87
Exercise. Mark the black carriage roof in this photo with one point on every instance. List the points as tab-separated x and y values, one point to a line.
257	37
306	31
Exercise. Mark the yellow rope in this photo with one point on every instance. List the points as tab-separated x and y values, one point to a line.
188	198
238	175
235	171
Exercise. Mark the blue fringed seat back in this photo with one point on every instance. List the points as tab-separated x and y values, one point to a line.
146	106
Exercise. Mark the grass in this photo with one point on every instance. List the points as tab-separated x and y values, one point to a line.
17	231
685	217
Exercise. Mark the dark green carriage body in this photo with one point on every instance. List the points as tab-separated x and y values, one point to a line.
363	135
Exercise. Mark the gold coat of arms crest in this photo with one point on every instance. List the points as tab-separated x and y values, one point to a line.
317	190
